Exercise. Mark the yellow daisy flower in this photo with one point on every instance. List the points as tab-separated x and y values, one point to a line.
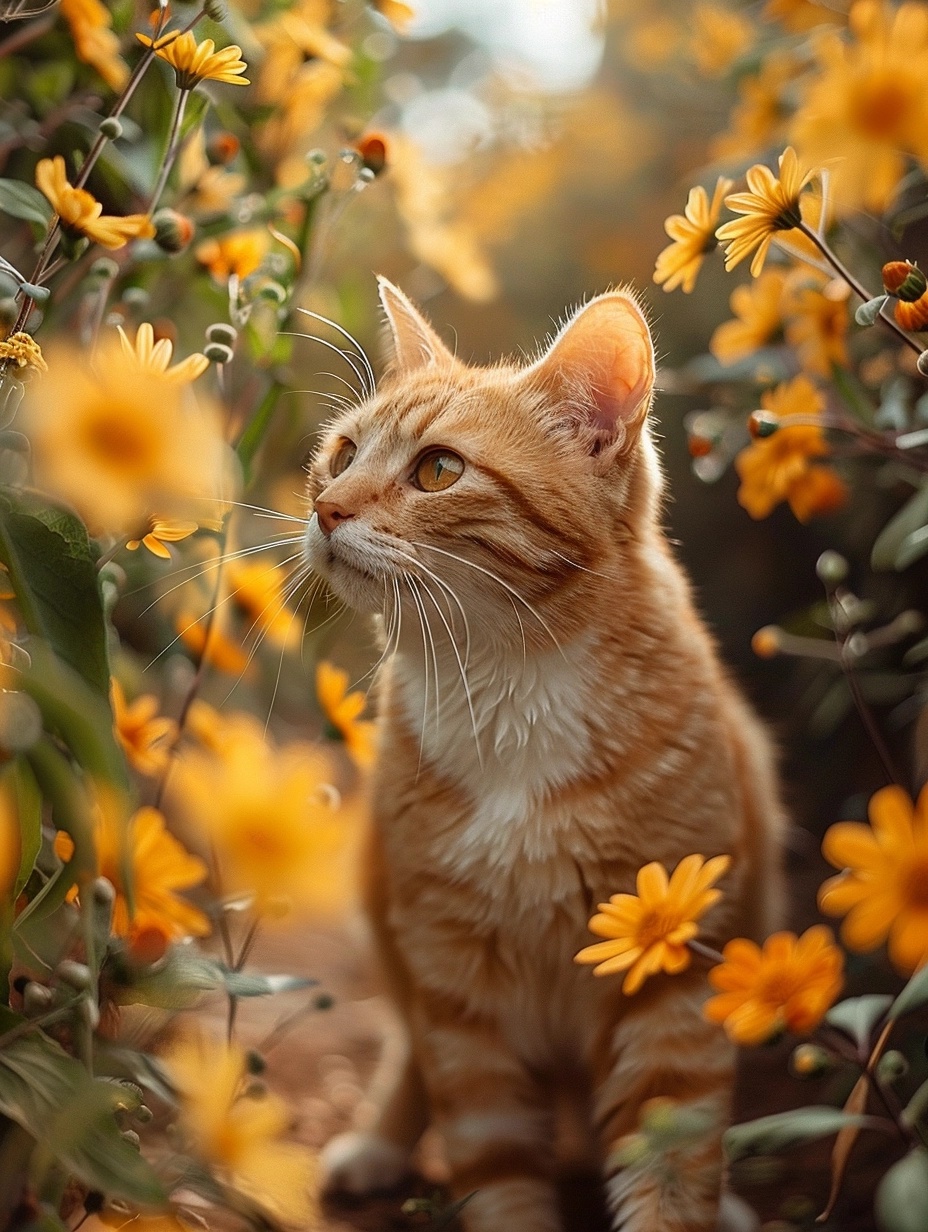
194	62
883	889
782	467
770	206
693	235
239	253
161	532
343	710
759	117
648	932
788	985
155	357
817	326
758	309
720	36
159	865
259	592
81	214
144	737
211	643
240	1136
95	43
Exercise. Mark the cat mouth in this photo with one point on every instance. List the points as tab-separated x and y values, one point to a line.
353	562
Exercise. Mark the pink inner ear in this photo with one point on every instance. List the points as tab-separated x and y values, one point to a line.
605	360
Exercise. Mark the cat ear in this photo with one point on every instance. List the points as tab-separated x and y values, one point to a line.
601	368
415	343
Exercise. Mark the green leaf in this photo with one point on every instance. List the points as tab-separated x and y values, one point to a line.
912	997
902	1196
770	1134
52	567
868	311
857	1016
73	1116
185	974
257	426
911	517
256	984
23	201
21	782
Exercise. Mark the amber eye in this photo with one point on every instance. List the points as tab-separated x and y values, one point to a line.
342	458
438	469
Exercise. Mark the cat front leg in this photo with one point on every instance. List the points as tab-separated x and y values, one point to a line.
659	1047
496	1122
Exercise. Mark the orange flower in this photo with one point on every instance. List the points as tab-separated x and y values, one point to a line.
883	890
145	739
163	531
720	36
789	984
758	309
259	592
648	932
155	357
194	62
343	710
159	866
94	41
817	326
80	212
693	235
239	253
780	467
770	206
218	649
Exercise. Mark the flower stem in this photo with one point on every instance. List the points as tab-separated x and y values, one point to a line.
705	951
172	149
857	287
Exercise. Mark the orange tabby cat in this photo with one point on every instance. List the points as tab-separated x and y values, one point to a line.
553	716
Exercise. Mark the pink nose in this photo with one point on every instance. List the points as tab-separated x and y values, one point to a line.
330	513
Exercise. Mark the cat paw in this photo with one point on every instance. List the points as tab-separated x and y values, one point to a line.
736	1216
361	1163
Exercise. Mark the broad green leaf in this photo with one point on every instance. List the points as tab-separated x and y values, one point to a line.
770	1134
256	984
912	997
857	1016
21	782
73	1116
23	201
52	567
902	1196
911	517
185	974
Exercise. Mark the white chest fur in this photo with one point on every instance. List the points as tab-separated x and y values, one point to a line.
512	735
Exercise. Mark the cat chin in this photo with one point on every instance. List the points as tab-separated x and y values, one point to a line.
348	580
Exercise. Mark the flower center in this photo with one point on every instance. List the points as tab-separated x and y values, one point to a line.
915	884
880	108
117	443
654	925
778	987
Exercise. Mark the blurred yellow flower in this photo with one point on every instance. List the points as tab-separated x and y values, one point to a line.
239	253
300	108
817	326
782	467
693	235
397	13
343	710
154	358
801	15
788	985
758	118
116	446
720	35
206	188
258	590
240	1136
23	352
159	867
770	206
648	932
210	643
758	309
293	37
883	889
865	111
271	819
81	214
94	41
651	42
218	731
161	532
144	736
194	62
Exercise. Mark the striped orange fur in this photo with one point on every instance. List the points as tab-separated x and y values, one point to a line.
553	716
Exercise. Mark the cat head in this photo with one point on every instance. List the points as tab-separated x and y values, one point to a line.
512	486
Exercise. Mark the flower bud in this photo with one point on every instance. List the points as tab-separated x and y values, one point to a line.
892	1065
831	568
317	158
111	128
922	363
254	1062
913	316
218	353
37	998
41	294
220	332
143	1114
904	280
215	10
809	1060
374	152
130	1136
90	1012
766	642
135	297
699	446
78	975
222	148
173	231
274	292
148	946
763	423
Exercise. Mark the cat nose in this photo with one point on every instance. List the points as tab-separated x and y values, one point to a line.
330	513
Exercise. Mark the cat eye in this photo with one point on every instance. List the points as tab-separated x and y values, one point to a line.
438	469
342	458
